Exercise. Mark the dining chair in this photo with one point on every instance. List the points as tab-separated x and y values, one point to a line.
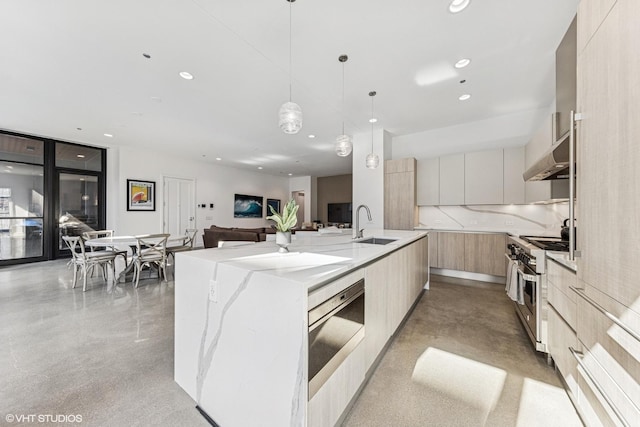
86	261
96	234
187	243
151	249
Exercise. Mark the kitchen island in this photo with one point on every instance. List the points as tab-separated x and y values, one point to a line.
242	328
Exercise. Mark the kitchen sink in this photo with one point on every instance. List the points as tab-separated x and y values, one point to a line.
377	241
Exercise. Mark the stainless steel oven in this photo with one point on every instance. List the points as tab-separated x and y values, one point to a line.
336	326
528	311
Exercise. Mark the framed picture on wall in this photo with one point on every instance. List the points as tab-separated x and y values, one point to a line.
141	195
245	206
275	204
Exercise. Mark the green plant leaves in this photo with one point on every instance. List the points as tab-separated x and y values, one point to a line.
287	220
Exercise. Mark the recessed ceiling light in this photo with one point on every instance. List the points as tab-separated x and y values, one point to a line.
108	135
373	120
185	75
458	5
462	63
81	179
464	97
80	156
290	174
312	136
9	167
218	158
260	167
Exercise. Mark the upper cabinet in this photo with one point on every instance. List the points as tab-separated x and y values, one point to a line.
484	178
514	187
452	180
428	177
492	177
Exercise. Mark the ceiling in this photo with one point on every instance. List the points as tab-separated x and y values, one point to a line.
75	69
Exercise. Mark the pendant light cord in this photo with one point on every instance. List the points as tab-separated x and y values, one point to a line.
372	123
343	98
290	48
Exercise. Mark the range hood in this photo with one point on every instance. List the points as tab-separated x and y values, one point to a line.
554	164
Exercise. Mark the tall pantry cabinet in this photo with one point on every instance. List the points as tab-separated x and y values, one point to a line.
608	212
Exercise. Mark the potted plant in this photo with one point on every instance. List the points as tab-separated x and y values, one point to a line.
284	223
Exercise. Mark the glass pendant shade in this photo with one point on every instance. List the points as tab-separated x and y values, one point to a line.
290	118
343	146
372	160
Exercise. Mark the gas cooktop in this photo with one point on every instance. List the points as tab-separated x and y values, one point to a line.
548	243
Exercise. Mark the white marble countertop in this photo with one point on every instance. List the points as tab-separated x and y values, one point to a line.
313	261
562	258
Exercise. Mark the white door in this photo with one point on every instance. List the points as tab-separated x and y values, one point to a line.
179	205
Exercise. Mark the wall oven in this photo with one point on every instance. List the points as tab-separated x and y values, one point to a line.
336	327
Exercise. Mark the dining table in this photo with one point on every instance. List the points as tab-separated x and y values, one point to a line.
120	242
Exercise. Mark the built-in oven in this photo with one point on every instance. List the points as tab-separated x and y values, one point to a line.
336	326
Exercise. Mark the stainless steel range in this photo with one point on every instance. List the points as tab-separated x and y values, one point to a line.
527	261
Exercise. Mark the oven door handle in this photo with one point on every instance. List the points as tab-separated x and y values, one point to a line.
526	276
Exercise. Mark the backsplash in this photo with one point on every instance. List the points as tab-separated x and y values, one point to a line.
545	220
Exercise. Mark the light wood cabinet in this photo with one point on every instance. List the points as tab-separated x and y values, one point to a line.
561	337
400	209
433	249
451	251
513	181
452	179
428	182
608	203
484	253
483	178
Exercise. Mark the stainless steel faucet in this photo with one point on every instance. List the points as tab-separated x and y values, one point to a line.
358	230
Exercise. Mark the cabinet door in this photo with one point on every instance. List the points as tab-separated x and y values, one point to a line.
452	180
428	182
433	249
377	278
400	211
484	253
483	178
608	173
451	250
513	181
561	337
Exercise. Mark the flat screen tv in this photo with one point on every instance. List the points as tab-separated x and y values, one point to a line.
339	212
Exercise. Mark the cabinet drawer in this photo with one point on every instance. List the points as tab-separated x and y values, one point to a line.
561	337
611	354
564	305
562	277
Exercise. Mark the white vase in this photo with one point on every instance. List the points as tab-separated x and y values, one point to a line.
283	239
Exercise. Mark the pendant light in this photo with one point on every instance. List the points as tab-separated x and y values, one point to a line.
344	145
290	113
372	158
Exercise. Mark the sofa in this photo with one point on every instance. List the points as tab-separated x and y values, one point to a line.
214	234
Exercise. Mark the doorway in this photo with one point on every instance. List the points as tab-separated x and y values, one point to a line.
179	208
298	197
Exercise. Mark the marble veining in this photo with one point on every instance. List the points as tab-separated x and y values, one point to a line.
536	220
204	362
297	412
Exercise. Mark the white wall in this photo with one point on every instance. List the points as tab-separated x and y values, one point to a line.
214	184
511	130
368	184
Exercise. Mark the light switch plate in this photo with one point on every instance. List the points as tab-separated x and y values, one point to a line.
213	290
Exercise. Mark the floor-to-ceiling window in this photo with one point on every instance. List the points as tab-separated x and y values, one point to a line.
47	189
21	198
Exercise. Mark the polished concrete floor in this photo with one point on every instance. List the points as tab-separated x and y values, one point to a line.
463	359
107	355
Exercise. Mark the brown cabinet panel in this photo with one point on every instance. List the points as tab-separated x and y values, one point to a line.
484	253
433	249
400	209
451	251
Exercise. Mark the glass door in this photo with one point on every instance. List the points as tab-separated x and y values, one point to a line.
21	211
78	206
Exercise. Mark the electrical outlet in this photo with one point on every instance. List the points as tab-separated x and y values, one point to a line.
213	290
